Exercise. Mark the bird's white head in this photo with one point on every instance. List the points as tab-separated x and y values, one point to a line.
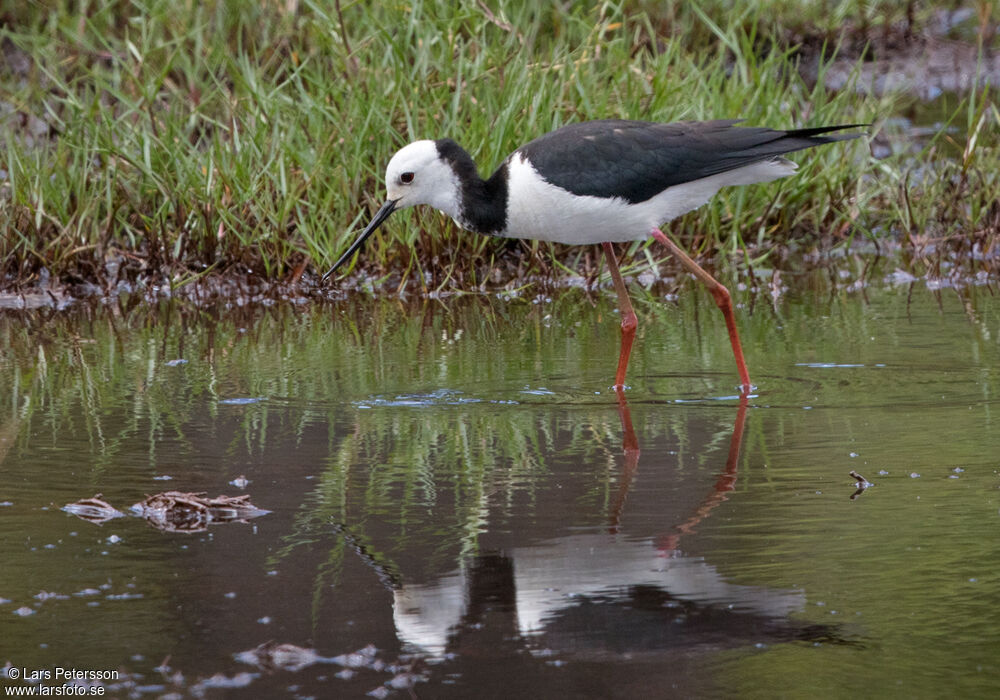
418	175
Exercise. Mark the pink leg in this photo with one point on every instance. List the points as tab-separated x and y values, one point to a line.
722	300
629	321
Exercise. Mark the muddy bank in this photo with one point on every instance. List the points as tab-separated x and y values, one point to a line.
930	263
945	56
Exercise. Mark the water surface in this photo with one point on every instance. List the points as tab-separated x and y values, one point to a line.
460	504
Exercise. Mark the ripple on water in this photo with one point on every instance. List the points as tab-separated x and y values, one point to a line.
876	385
242	401
440	397
525	395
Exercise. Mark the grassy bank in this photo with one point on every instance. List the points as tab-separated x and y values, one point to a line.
159	142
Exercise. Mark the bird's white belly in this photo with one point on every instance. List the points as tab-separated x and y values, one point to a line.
539	210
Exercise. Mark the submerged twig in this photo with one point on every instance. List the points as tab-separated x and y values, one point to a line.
861	483
95	510
173	511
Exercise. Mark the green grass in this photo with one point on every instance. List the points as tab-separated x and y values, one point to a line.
250	138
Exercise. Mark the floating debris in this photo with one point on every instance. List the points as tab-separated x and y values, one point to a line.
94	510
860	482
175	511
405	679
362	658
221	680
270	656
172	511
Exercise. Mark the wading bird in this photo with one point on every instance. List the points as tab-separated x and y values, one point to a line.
603	182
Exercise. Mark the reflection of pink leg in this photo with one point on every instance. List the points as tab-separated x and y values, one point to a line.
631	464
629	321
723	485
722	300
727	480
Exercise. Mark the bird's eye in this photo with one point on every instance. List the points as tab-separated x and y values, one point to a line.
406	178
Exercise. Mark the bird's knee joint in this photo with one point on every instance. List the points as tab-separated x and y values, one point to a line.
721	296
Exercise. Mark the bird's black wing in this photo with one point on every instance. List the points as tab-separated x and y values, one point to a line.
637	160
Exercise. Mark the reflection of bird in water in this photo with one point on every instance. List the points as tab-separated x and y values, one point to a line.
596	594
603	593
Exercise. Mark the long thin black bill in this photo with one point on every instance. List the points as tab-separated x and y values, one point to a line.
380	216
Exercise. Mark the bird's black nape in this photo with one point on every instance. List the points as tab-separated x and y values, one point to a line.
483	202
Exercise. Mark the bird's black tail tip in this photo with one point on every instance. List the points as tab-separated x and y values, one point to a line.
825	132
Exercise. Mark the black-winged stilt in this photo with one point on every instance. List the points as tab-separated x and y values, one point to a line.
598	182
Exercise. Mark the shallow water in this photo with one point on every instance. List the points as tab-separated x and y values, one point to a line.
459	503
